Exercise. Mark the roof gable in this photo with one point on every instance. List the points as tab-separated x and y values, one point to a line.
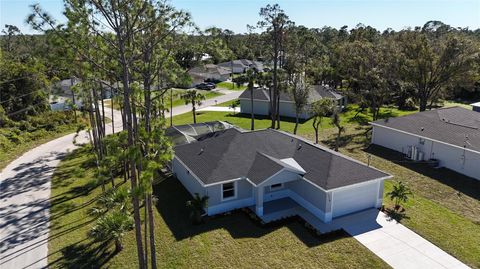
231	154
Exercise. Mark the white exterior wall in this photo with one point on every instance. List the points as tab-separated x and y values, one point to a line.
287	109
356	198
454	158
259	107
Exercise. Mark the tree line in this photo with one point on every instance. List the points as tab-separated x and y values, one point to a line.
141	49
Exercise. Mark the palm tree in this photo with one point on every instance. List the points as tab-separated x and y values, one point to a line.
399	194
233	106
336	122
197	206
112	226
195	98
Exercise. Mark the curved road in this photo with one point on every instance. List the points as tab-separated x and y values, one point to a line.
25	193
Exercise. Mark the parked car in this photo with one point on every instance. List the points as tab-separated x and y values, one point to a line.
206	86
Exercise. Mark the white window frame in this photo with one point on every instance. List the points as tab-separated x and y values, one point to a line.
234	191
276	188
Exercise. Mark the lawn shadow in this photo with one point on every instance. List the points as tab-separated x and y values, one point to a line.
84	255
463	184
396	215
172	198
264	117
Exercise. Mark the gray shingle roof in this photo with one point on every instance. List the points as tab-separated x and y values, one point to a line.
262	168
231	154
449	125
318	92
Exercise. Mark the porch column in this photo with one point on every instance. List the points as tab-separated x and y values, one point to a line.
379	202
259	200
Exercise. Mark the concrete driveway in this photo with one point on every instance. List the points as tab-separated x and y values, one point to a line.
394	243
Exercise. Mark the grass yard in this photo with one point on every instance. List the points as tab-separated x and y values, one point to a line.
230	86
445	208
232	241
177	100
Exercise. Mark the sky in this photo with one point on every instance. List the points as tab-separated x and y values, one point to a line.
236	14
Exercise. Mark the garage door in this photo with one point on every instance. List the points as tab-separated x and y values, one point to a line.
354	199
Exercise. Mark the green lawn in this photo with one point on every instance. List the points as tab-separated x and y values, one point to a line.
26	135
228	103
445	208
230	86
177	100
287	124
232	241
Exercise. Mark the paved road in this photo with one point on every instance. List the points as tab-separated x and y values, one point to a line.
228	96
25	193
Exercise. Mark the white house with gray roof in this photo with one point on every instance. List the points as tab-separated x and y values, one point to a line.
274	173
449	136
261	101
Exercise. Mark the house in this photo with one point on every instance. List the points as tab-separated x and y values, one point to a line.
261	101
62	95
449	136
212	72
274	173
242	65
476	106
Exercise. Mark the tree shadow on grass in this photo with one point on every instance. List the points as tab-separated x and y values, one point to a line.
396	215
263	117
84	255
172	198
463	184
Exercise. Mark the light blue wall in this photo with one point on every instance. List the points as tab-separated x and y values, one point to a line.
187	179
309	192
244	190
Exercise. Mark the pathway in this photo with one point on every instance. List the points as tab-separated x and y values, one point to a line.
394	243
24	201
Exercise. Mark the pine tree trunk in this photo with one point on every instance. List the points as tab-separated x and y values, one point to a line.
252	115
151	224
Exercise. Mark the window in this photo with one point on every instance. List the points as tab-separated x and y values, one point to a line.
228	191
276	186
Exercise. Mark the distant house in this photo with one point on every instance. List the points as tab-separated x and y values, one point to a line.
274	173
208	72
62	94
261	101
449	136
242	65
476	106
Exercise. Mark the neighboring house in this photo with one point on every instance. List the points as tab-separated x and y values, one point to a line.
450	136
208	72
476	106
274	173
242	65
62	94
261	101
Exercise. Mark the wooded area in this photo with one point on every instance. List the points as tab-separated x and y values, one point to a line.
147	47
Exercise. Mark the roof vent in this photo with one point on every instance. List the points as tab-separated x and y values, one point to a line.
201	151
299	146
422	129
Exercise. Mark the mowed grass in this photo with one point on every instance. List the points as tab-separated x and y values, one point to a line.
230	86
445	208
231	241
177	99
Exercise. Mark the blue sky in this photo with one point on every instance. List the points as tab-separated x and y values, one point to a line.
236	14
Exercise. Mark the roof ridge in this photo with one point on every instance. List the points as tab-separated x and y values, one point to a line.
321	147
